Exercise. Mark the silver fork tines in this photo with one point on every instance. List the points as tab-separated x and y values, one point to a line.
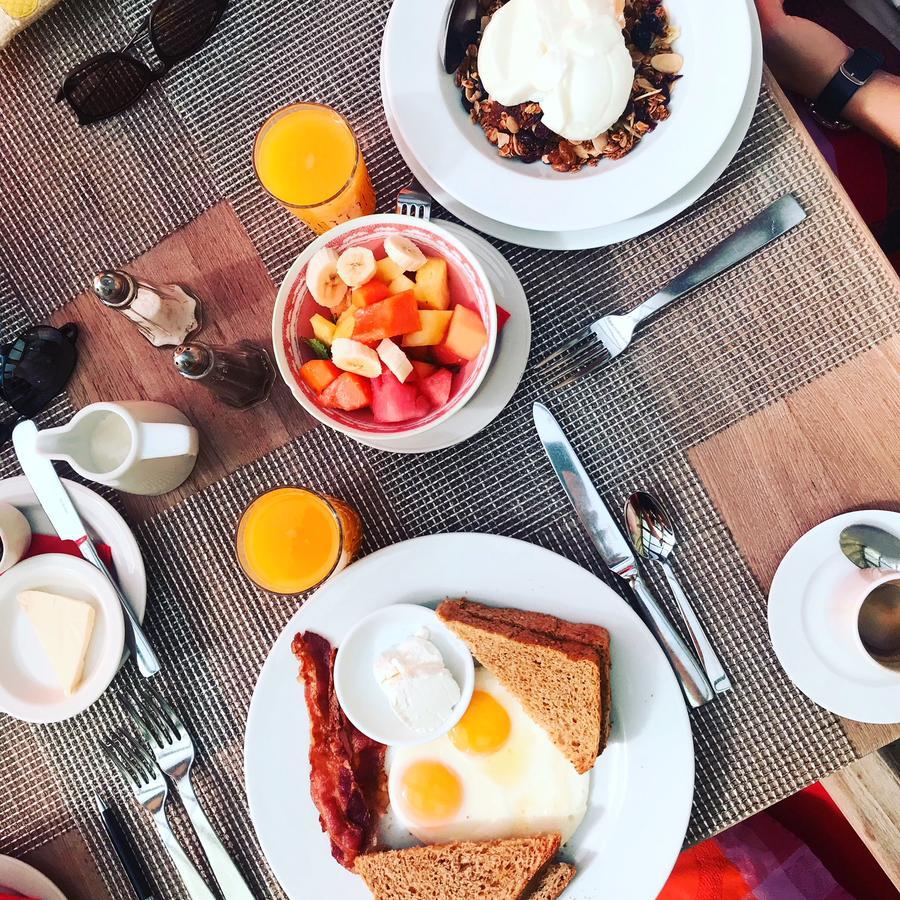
170	743
144	777
413	201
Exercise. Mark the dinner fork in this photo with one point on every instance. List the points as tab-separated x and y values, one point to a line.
149	786
170	743
413	201
594	345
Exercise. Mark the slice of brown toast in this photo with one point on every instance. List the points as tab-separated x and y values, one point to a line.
550	883
559	670
465	870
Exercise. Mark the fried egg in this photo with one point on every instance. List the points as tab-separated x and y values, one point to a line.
496	774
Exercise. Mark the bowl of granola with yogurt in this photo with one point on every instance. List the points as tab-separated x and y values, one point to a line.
572	114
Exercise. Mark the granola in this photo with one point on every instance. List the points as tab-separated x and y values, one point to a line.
519	133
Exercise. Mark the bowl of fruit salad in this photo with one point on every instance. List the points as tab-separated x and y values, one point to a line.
384	326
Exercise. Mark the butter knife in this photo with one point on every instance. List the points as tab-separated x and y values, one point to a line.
63	516
610	543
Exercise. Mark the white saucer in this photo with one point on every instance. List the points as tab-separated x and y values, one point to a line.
103	523
19	876
803	583
507	367
29	688
616	231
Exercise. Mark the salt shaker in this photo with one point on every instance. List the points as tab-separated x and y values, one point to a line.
165	314
240	375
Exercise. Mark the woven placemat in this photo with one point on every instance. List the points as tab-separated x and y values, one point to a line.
80	198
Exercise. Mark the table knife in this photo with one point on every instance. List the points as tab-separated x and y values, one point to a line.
610	543
63	516
124	851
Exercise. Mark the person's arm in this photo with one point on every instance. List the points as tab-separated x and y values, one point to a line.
804	57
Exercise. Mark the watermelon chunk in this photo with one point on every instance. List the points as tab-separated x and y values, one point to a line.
436	387
393	401
348	392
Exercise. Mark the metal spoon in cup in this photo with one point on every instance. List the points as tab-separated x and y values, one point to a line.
653	537
870	547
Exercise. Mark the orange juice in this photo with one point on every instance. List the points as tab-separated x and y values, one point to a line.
307	157
291	539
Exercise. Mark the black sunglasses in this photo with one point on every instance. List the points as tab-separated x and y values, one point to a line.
34	368
104	85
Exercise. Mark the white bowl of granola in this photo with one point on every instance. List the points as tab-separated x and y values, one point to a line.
577	186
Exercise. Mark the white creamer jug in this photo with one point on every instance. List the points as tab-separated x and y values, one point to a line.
137	446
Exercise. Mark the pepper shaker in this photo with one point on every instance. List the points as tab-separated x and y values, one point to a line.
165	314
240	375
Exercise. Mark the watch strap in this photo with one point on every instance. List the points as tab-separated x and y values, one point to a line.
851	76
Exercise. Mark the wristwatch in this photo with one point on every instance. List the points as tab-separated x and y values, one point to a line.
851	76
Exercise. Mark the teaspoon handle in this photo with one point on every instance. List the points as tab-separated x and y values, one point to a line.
702	644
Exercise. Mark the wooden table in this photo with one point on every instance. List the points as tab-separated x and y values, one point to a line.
801	488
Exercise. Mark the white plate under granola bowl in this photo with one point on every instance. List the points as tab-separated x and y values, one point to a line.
716	43
294	306
641	787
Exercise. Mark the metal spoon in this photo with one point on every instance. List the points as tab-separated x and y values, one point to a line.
459	32
653	537
870	547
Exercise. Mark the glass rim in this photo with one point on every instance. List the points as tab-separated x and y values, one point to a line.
305	490
298	105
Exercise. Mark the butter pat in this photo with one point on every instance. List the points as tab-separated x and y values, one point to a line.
420	688
64	627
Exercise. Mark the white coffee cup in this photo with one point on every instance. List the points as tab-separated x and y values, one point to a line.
15	534
136	446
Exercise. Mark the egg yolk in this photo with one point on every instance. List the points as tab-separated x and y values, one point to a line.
431	791
484	727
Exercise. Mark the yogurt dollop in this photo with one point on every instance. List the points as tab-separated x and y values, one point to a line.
568	55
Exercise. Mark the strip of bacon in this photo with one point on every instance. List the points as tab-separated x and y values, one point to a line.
347	779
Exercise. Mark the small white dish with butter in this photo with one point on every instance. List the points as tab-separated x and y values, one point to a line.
402	677
61	637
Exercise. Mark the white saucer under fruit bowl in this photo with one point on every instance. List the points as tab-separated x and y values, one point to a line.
29	689
506	368
604	235
295	307
804	586
427	107
18	876
361	696
619	849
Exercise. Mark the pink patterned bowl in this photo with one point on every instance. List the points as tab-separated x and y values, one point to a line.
295	306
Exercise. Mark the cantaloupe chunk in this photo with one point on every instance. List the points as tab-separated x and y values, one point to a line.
432	288
466	335
400	284
387	270
434	325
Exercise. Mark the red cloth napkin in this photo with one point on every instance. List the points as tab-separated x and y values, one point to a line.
51	543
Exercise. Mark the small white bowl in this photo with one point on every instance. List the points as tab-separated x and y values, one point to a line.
359	693
28	686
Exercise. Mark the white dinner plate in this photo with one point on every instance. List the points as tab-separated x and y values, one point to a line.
104	524
641	786
804	581
717	49
26	880
604	235
507	366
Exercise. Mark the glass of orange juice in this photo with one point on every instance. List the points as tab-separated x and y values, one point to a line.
307	157
291	539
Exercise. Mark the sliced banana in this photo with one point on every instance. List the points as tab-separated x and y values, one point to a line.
352	356
404	252
322	278
395	359
356	265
